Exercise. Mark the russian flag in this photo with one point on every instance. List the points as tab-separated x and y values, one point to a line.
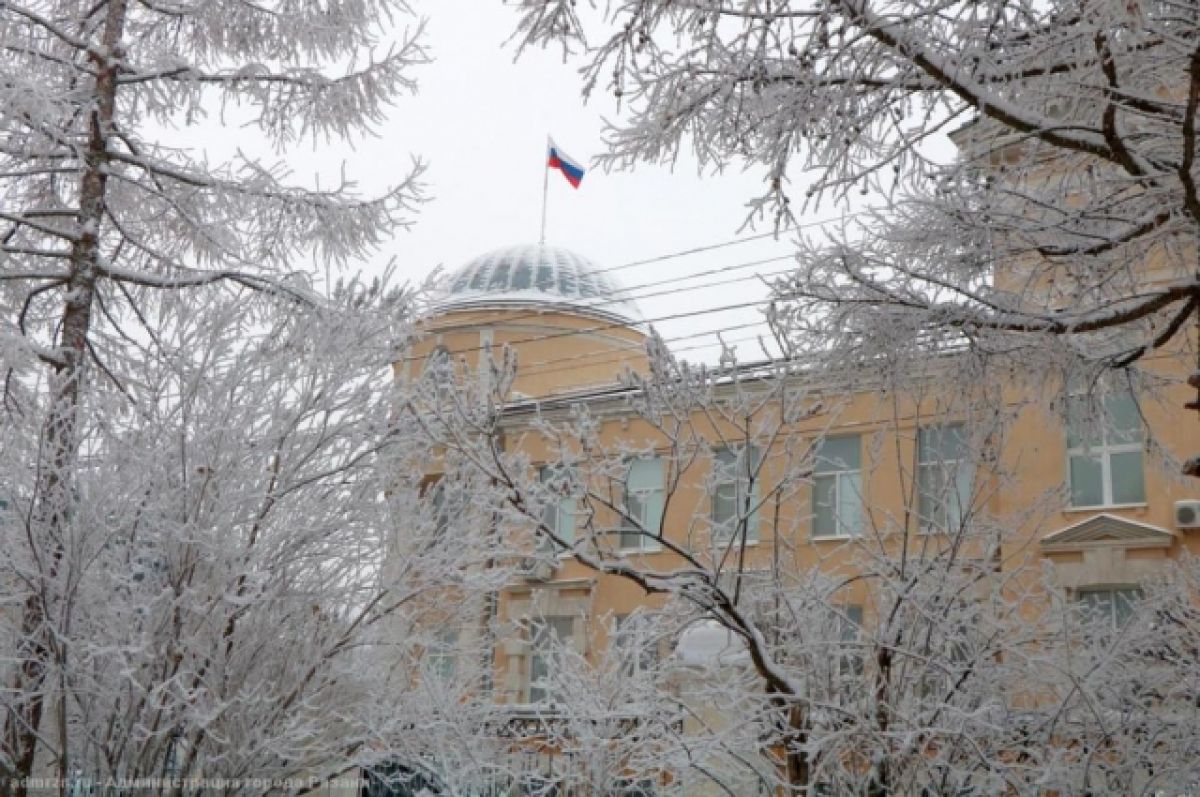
569	167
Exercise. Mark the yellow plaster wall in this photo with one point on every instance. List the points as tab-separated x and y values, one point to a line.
589	354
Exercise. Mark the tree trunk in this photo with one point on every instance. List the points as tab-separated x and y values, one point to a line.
60	438
881	780
798	769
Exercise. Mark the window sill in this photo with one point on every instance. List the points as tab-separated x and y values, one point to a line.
728	540
636	551
834	537
1103	507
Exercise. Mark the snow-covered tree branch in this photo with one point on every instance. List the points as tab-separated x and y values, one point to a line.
104	215
1067	221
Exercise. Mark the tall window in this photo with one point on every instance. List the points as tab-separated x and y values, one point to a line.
560	510
439	369
1105	452
849	630
1108	606
945	476
634	645
644	502
837	488
733	491
546	635
439	510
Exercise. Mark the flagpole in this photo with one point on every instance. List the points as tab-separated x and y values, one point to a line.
545	192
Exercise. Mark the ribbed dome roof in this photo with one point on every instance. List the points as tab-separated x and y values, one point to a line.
541	276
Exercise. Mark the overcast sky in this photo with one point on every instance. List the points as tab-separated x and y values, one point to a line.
481	121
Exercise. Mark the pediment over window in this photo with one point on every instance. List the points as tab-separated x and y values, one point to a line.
1103	531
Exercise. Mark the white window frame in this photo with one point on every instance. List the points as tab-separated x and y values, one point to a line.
652	524
443	654
842	481
850	619
1132	594
542	639
947	517
1102	451
746	462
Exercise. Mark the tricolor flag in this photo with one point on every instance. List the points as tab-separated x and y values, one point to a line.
570	168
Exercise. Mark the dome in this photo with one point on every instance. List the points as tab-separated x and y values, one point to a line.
537	275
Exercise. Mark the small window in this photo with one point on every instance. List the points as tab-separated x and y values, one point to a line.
546	636
1110	607
837	488
644	502
561	508
735	491
522	278
945	477
499	277
1105	453
442	654
544	280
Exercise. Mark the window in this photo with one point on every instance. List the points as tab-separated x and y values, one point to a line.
558	515
546	635
944	477
644	503
1109	606
442	654
633	643
439	369
733	491
1105	453
441	511
849	627
837	488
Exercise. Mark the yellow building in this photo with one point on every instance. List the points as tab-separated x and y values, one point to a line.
768	470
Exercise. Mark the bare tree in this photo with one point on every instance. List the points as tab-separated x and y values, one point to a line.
248	576
103	211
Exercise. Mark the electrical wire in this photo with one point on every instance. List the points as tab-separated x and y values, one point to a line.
734	242
669	317
601	328
539	366
698	250
683	289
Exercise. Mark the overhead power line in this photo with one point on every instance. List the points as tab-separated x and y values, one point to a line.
732	242
600	302
683	289
607	326
698	250
566	363
522	371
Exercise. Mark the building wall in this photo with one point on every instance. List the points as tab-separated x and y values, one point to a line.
1021	485
1022	489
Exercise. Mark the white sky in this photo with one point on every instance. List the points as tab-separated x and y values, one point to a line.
480	121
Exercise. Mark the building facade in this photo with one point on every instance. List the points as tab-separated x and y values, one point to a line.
625	473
